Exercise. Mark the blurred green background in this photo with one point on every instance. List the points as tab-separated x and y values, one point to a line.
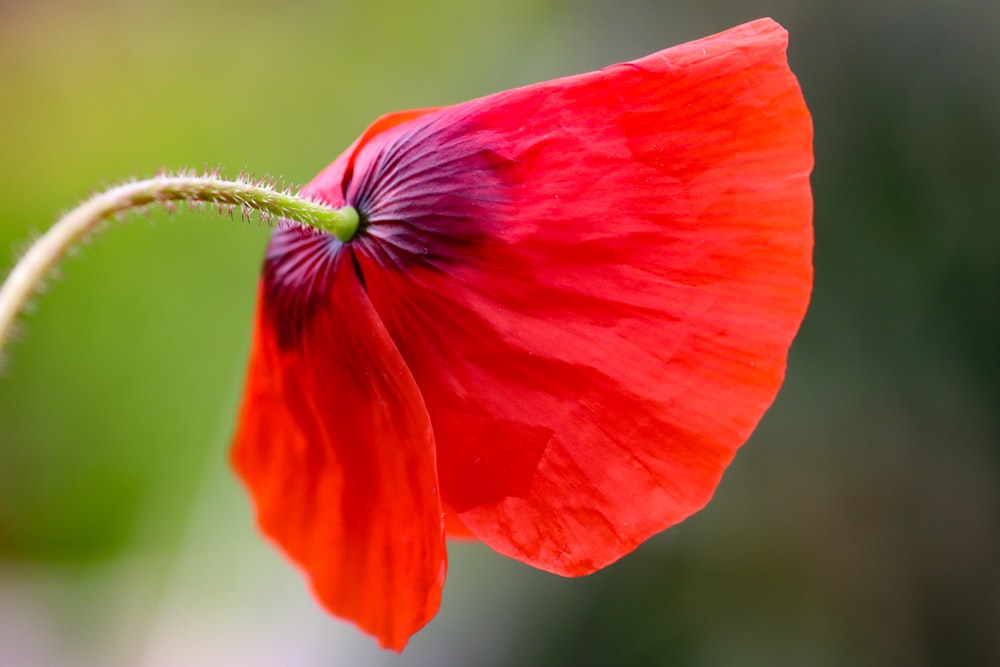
860	526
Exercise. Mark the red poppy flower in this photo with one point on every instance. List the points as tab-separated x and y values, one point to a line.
566	307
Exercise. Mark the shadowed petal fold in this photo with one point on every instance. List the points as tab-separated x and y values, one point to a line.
336	446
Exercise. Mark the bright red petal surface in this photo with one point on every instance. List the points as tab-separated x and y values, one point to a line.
336	447
595	282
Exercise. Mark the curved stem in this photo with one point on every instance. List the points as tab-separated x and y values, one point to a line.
46	252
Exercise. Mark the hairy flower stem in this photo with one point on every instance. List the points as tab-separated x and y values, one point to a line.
269	202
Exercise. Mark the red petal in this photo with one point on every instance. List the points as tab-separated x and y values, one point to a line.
328	184
455	528
335	444
595	282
